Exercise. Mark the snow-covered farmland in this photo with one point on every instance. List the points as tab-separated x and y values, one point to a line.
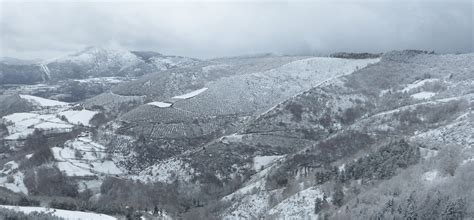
160	104
20	125
190	94
42	101
81	117
50	117
11	178
84	157
71	215
423	95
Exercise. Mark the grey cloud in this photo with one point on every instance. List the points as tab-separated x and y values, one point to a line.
210	29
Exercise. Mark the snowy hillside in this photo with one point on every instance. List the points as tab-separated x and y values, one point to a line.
49	116
91	62
250	137
60	213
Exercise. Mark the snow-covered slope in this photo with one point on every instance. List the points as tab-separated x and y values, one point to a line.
42	101
60	212
272	137
298	206
50	116
79	117
83	157
20	125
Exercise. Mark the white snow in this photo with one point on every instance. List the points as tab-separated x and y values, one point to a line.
102	57
207	69
111	80
231	138
342	167
92	162
430	175
72	215
160	104
423	95
78	117
298	206
470	160
17	117
251	207
168	171
42	101
20	125
45	69
264	161
9	167
427	153
71	169
383	92
417	84
458	132
191	94
17	184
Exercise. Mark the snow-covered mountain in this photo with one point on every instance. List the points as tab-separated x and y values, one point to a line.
103	62
90	62
267	136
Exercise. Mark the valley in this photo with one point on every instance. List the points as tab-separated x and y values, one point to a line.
139	134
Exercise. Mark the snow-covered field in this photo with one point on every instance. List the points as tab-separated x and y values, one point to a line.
190	94
70	215
84	157
48	118
423	95
12	179
78	117
20	125
160	104
260	162
42	101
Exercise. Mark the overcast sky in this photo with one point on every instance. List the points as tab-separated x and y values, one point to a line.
203	29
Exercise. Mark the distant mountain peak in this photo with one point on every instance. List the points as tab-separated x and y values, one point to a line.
16	61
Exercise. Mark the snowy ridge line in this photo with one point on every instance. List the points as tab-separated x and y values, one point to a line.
141	96
436	101
308	90
200	148
351	127
42	101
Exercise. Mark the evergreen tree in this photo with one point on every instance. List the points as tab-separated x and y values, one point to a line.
410	210
318	205
338	195
455	210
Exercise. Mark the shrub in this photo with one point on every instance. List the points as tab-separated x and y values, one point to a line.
296	110
49	181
